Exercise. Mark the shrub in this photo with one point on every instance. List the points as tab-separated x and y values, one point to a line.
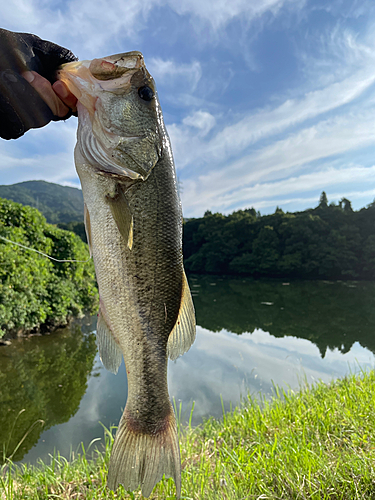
35	291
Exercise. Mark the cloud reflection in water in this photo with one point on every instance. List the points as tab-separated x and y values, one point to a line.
229	365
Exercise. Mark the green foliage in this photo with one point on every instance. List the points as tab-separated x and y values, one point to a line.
328	242
75	227
34	290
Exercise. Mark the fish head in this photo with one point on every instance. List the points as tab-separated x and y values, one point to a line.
121	129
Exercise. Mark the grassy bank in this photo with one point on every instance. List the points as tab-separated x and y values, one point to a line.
318	443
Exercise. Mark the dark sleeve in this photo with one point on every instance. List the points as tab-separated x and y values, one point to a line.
21	107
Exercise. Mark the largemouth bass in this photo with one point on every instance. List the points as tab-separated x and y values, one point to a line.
133	221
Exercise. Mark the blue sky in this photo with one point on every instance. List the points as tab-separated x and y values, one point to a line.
267	102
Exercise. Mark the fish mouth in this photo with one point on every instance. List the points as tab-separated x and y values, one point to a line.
86	80
113	67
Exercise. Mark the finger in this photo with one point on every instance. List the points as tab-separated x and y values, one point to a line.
65	95
44	89
21	107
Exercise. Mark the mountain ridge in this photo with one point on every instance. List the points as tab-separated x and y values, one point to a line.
59	204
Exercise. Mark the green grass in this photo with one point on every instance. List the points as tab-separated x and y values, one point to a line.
317	443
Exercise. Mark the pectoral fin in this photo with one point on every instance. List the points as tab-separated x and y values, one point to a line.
182	336
122	215
86	218
109	351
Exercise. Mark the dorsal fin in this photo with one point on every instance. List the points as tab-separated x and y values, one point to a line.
182	336
109	351
122	215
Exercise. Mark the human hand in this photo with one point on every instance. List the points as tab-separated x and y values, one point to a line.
57	96
30	96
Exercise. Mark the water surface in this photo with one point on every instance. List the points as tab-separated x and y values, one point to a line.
250	334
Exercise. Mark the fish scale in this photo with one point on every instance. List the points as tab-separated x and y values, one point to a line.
133	221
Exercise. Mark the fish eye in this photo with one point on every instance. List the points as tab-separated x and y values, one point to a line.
146	93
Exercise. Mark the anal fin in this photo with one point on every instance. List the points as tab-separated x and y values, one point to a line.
122	215
109	351
182	336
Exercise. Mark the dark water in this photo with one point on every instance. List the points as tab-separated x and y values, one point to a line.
249	336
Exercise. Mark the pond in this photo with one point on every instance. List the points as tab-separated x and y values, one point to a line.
55	393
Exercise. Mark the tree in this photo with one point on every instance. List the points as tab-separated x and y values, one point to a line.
345	205
323	200
265	255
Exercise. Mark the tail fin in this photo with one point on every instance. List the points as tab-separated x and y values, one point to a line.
142	459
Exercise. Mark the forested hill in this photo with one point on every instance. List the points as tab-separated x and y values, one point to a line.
327	242
57	203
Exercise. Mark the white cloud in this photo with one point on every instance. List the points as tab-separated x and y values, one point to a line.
336	53
40	154
286	161
19	14
92	26
220	12
269	193
235	138
173	74
201	120
326	138
87	27
293	111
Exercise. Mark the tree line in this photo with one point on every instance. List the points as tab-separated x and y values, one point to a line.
331	241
